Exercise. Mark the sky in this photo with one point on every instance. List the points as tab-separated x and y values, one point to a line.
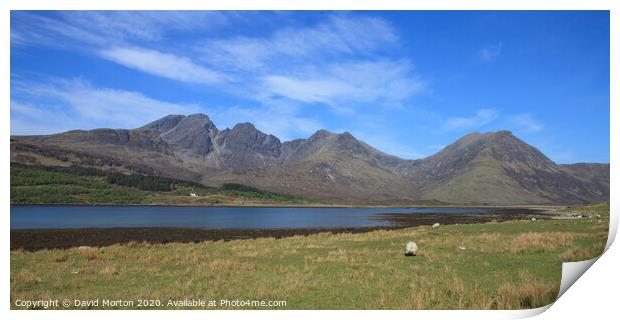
406	82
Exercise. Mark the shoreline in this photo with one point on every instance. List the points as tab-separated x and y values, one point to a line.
41	239
254	205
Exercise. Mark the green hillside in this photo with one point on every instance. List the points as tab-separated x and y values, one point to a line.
35	184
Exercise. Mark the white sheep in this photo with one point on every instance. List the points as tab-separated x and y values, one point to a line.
411	249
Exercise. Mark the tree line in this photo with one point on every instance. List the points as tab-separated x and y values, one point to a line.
140	181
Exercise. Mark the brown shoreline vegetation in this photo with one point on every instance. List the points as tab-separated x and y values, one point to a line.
493	265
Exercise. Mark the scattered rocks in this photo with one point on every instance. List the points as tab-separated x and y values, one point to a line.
75	271
435	226
411	249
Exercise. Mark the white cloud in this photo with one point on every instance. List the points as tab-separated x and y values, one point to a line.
490	53
70	28
480	119
81	105
338	35
163	65
526	122
345	84
42	29
335	62
145	25
308	90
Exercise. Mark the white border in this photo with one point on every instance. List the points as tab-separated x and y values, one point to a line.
594	294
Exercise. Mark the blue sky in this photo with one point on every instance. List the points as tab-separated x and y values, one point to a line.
408	83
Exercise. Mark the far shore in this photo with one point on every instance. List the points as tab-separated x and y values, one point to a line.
318	205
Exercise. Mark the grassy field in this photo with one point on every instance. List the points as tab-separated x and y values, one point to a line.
509	265
78	185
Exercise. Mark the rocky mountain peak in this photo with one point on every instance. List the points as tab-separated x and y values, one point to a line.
197	120
247	135
320	135
199	116
245	126
513	152
192	135
164	124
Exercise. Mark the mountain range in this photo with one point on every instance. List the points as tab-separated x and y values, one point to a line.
494	168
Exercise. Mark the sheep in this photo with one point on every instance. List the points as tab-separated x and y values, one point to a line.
411	249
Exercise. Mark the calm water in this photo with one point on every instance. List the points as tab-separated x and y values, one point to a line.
42	216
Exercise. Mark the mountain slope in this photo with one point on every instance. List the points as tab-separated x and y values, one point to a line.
596	173
498	168
489	168
142	151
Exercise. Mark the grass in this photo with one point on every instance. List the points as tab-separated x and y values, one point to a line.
79	185
511	265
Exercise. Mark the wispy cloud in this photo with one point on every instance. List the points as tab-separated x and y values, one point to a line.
335	62
163	65
78	102
308	90
525	122
46	30
479	119
144	25
490	53
339	35
345	84
67	28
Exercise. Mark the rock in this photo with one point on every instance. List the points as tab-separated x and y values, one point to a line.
462	248
411	249
533	219
84	247
436	225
